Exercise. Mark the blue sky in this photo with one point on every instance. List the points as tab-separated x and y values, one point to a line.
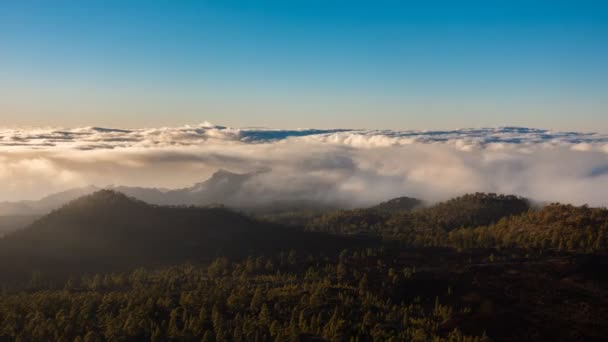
373	64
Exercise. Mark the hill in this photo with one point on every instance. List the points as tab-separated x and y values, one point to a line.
470	210
108	229
556	226
404	217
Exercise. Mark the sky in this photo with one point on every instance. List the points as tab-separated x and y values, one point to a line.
287	64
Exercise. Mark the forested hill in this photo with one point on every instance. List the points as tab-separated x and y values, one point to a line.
471	210
108	229
556	226
480	221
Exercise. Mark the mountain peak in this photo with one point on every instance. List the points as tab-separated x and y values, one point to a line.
222	181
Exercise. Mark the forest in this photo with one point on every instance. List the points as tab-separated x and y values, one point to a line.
480	267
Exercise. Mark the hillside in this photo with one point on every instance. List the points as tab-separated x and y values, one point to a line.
556	226
108	229
471	210
404	217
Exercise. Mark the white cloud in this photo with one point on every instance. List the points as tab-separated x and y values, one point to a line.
357	167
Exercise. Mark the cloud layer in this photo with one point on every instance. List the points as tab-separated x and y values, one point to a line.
357	167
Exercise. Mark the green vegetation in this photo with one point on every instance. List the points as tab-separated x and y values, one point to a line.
412	221
285	298
479	267
556	226
479	221
466	211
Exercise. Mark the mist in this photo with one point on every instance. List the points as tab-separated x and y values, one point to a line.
353	167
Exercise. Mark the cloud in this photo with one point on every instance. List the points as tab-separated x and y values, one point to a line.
355	167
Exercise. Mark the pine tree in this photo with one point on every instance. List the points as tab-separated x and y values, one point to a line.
257	300
264	316
207	337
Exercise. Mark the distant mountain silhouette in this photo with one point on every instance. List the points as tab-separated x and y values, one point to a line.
223	187
11	223
108	229
44	205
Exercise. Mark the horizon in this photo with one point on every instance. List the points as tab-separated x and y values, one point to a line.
210	125
205	123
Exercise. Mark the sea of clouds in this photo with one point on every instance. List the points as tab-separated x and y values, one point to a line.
358	167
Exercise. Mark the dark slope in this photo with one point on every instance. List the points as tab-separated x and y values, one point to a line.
108	229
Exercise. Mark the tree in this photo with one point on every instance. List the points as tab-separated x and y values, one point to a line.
208	337
264	316
92	336
257	300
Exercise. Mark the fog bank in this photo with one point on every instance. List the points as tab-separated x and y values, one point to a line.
353	166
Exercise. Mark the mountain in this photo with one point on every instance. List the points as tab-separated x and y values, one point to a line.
108	229
223	187
44	205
